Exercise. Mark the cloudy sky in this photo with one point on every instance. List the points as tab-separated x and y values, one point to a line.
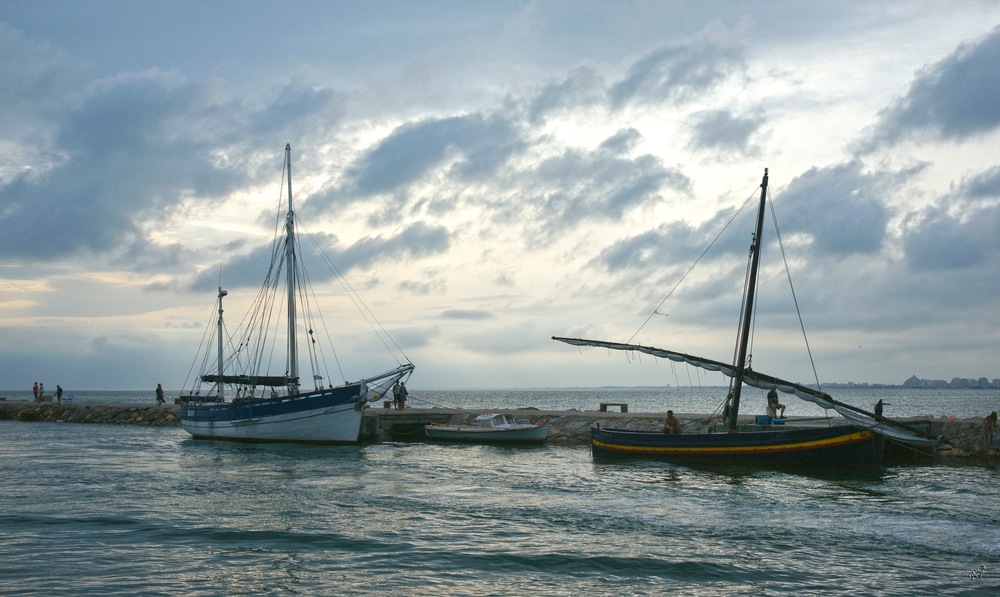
489	174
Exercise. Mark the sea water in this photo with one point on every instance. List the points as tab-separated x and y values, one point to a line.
132	510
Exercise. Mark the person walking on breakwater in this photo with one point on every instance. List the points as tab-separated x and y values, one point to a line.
58	394
773	405
671	424
34	391
159	394
989	425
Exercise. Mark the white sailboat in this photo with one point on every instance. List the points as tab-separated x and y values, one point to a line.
241	403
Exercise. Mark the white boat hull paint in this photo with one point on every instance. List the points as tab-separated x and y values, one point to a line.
330	424
467	433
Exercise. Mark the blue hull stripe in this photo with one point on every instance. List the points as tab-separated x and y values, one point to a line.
245	410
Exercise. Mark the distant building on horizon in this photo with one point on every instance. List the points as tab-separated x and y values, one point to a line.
957	383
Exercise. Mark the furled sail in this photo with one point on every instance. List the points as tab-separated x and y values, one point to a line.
268	381
891	429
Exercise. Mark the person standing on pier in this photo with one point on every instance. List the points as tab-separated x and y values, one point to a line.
159	394
402	395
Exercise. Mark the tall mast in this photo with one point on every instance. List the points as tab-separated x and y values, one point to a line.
219	383
740	363
293	361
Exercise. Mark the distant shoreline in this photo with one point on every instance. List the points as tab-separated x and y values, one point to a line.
826	386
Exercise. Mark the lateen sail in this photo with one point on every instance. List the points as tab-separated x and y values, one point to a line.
892	429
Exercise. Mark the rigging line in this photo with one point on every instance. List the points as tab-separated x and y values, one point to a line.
360	304
788	273
305	313
320	355
204	344
693	265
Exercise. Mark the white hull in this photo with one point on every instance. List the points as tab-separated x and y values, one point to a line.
526	434
331	424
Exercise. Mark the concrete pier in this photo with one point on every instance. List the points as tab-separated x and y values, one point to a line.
962	437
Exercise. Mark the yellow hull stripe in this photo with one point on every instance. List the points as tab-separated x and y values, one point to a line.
831	442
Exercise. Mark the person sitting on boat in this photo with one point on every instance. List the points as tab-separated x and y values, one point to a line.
671	424
773	405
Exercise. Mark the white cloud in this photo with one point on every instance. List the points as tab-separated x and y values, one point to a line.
494	174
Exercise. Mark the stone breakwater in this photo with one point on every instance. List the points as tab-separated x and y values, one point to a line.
962	438
84	412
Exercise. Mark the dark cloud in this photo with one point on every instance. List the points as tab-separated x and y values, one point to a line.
842	208
416	240
983	185
677	74
621	142
475	144
35	79
722	130
124	158
939	241
961	232
582	87
116	165
954	99
654	249
706	257
290	105
127	150
578	185
317	251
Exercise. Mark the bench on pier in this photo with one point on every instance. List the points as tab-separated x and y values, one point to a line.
621	406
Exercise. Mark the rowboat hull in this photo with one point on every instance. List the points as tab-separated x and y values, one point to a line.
331	416
525	434
844	445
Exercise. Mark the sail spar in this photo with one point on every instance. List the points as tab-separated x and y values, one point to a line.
892	429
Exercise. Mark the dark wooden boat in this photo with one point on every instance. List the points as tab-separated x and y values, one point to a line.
858	443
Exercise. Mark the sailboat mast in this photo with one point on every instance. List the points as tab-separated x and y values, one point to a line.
219	384
740	363
293	361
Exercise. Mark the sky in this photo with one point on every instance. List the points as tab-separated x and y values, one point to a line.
487	175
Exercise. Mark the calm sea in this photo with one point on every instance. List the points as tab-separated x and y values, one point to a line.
130	510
